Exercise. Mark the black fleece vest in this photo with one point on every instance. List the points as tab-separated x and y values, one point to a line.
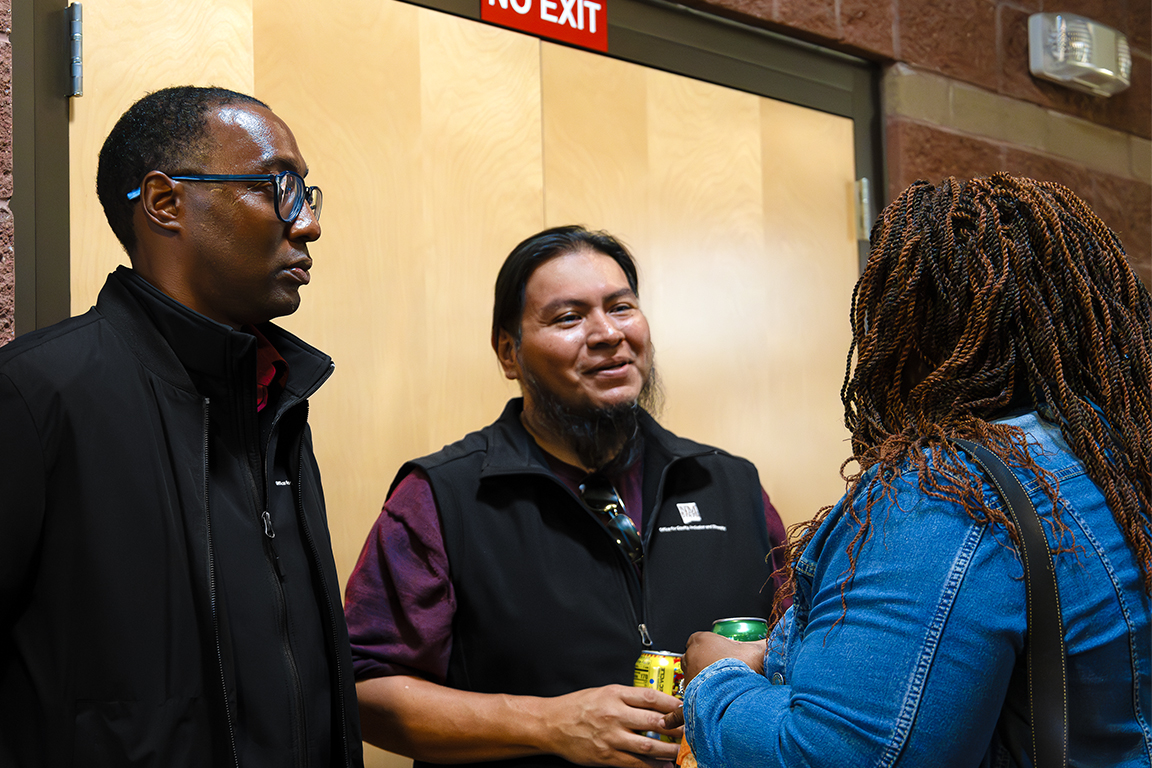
546	602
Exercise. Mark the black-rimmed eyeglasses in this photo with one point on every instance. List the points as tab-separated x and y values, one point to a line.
290	190
599	496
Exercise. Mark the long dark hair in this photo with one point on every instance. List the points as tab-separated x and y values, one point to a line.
530	253
984	295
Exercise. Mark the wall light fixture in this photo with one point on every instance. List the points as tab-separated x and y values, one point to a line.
1078	53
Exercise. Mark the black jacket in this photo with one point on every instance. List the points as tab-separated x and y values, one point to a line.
114	643
547	603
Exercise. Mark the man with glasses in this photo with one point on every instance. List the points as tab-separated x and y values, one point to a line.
168	595
513	578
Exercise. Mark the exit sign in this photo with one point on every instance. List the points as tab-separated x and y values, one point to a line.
579	22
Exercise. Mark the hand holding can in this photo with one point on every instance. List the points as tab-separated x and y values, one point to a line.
705	648
659	670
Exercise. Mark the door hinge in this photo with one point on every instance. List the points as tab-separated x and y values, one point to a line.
863	208
76	50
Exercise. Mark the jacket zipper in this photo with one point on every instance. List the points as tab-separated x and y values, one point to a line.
212	600
642	626
645	637
293	670
338	694
640	621
274	560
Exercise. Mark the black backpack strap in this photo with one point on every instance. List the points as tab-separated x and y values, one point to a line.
1044	646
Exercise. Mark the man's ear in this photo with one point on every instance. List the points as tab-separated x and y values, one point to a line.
506	353
162	201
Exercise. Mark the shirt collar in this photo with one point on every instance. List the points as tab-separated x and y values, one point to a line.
271	367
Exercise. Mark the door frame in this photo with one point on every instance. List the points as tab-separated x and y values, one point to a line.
40	210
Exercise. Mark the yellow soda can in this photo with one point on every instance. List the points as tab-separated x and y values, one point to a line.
659	670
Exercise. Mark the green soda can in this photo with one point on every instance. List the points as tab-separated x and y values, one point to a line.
742	628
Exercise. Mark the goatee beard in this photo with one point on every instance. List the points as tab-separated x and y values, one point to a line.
605	438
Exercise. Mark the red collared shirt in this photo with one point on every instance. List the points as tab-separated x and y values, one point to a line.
271	368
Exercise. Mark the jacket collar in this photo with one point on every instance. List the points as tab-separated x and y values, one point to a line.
194	352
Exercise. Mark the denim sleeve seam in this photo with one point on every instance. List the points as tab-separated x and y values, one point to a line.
1125	611
908	710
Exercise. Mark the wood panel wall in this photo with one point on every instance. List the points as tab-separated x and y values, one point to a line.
440	143
132	47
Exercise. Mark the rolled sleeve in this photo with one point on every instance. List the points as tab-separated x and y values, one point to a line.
728	690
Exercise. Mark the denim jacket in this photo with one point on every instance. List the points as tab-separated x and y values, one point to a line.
924	667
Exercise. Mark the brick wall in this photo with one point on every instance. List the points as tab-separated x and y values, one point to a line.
7	253
959	100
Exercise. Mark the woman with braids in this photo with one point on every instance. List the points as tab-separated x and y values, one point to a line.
1001	311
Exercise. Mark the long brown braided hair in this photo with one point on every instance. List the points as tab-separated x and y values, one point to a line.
983	295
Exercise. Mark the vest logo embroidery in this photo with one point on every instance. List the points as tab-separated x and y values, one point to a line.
689	513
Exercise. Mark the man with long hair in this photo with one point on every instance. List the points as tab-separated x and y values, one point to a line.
1001	311
514	577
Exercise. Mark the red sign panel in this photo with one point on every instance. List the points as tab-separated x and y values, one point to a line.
579	22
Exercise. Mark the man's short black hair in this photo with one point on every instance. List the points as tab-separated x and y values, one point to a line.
164	131
508	309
